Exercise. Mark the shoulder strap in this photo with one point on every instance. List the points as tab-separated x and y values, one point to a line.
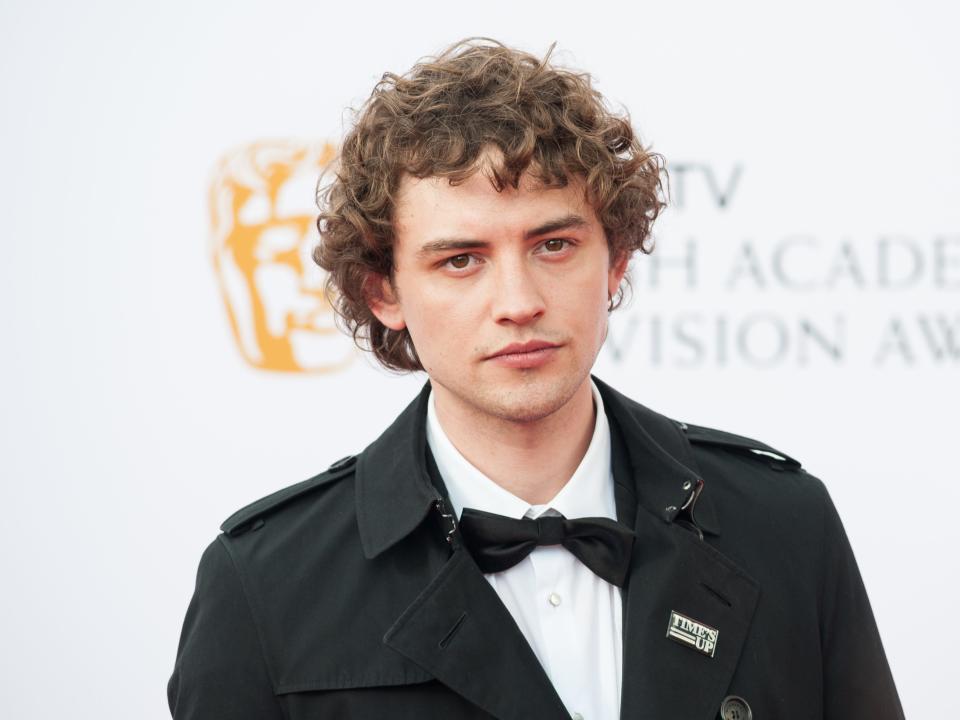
709	436
245	518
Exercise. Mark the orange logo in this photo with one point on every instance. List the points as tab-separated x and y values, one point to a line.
262	215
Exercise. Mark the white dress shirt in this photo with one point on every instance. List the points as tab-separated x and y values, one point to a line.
570	617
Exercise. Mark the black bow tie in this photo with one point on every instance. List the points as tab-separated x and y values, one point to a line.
498	543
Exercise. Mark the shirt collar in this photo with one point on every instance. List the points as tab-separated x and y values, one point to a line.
588	492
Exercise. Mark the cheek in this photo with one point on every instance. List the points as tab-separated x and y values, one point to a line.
582	293
580	306
439	324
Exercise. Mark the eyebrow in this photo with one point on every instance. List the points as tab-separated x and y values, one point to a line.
567	222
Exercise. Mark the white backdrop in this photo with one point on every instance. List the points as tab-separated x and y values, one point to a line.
804	290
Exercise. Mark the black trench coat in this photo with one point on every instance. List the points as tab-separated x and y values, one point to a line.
347	595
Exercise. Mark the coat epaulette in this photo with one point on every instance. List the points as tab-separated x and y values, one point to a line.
251	516
709	436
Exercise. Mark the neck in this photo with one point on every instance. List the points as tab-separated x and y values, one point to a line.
533	459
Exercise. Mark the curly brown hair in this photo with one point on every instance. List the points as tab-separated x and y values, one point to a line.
437	121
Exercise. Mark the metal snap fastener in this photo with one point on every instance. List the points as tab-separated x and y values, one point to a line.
735	708
670	509
687	485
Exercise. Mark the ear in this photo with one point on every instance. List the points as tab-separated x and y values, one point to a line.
618	269
383	301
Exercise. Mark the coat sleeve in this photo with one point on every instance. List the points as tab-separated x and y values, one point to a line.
857	682
220	672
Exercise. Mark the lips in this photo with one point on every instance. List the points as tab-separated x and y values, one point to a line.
525	356
522	348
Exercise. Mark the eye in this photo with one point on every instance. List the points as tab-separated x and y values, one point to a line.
458	262
555	245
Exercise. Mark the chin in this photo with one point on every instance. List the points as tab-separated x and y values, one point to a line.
529	399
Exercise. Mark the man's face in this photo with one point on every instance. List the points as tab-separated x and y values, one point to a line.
504	294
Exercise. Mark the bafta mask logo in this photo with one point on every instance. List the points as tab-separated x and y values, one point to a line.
263	214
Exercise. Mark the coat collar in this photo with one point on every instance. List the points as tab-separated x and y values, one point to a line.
394	492
661	462
459	632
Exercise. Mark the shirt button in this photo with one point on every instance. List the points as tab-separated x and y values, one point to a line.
555	600
576	716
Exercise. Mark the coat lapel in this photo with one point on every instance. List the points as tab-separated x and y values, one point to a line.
459	631
672	570
457	628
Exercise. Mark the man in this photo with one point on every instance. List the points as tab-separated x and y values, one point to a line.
523	541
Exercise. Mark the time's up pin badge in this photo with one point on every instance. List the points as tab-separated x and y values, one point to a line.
692	633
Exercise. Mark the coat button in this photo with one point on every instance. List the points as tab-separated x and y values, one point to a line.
735	708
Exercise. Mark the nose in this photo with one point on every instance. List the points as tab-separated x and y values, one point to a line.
516	299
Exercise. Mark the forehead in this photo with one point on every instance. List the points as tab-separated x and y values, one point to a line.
431	206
